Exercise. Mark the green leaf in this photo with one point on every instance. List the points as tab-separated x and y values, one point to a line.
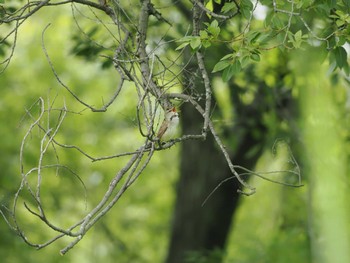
248	4
331	3
245	61
340	23
205	39
332	67
298	35
214	28
246	8
214	23
231	70
296	39
203	34
346	69
245	13
228	56
185	39
195	42
268	19
206	43
266	2
340	56
322	54
228	73
228	6
290	36
221	65
276	22
332	42
236	67
264	38
252	36
341	40
183	45
215	31
255	57
244	52
333	16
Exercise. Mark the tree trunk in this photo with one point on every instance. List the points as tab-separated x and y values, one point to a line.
203	167
325	162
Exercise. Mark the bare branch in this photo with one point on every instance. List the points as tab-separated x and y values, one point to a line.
205	77
148	83
138	65
99	211
218	141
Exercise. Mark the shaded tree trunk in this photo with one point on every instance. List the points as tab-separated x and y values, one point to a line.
203	167
325	163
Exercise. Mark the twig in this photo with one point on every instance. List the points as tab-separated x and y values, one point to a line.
218	141
148	82
205	77
211	13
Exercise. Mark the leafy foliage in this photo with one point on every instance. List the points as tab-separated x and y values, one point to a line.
287	25
238	43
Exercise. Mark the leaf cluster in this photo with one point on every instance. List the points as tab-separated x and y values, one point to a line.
288	25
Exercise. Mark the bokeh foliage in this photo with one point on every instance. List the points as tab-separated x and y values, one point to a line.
271	226
143	216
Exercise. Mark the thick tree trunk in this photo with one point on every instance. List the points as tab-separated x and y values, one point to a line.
196	227
325	163
203	167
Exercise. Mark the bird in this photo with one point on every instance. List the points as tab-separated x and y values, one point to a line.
168	127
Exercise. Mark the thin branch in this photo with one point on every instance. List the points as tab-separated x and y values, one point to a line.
249	172
211	13
157	14
38	5
218	141
145	69
205	77
93	217
148	82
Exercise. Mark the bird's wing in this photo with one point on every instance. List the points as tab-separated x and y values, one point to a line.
162	130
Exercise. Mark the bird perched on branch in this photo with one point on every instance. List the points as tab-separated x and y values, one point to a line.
169	124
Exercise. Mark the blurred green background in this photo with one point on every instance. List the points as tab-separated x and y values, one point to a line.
277	224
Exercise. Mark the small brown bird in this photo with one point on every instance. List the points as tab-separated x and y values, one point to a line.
169	124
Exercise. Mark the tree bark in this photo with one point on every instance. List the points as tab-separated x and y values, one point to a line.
203	229
203	167
324	161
